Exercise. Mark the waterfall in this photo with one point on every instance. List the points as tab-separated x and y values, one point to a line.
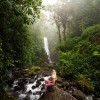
47	49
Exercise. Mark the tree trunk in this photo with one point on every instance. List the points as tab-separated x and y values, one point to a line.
59	34
64	33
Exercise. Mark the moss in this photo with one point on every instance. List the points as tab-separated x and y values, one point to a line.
34	70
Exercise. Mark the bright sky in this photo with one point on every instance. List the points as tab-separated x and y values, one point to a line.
51	2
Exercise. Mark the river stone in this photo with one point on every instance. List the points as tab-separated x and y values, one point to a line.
56	94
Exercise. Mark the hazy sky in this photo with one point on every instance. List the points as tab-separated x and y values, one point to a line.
46	2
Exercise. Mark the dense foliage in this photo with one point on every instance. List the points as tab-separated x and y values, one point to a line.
16	43
78	24
80	57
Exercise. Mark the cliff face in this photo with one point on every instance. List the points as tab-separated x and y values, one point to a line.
54	93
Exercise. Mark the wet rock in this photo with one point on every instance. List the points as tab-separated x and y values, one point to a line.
56	94
38	83
42	79
43	87
10	82
78	94
27	98
33	87
16	94
31	80
29	92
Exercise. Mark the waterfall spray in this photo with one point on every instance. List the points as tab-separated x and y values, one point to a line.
47	49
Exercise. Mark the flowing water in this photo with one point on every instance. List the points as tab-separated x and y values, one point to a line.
47	49
28	89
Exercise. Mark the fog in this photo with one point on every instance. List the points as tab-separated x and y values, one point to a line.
61	19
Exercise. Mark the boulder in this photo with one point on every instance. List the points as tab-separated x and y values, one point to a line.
55	93
78	94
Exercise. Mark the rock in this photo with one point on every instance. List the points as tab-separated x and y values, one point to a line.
54	93
10	82
31	81
66	84
78	94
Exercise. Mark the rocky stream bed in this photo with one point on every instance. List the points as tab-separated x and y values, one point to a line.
22	87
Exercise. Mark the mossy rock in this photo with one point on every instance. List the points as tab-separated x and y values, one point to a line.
34	70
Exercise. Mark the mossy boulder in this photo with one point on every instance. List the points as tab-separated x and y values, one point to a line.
33	70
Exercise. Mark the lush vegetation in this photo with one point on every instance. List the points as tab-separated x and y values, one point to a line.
16	42
80	56
79	51
78	30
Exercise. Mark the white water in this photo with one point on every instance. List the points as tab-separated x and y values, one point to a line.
34	95
29	87
47	49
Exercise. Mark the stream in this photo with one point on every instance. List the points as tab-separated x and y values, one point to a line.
30	89
27	88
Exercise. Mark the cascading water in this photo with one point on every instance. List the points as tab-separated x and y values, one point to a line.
47	49
28	89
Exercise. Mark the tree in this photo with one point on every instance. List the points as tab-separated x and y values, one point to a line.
16	44
81	56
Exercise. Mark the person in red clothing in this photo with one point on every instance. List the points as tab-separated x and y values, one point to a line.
52	80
